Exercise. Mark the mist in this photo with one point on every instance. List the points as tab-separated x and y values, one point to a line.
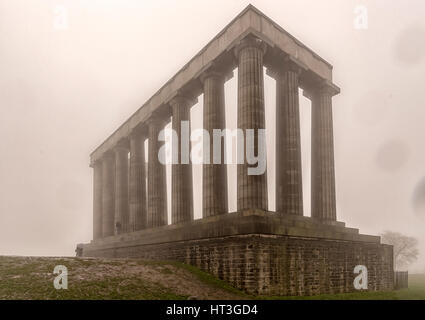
71	72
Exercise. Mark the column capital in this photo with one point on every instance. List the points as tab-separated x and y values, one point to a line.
250	41
285	63
157	119
96	162
109	154
328	87
182	99
214	70
122	145
323	87
212	73
138	131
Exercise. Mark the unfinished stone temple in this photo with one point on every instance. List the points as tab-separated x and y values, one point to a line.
259	251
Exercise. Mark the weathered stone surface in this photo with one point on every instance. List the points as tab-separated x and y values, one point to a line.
262	252
252	189
289	193
246	222
181	172
157	184
108	195
121	190
249	21
259	251
274	264
137	184
323	200
97	200
214	174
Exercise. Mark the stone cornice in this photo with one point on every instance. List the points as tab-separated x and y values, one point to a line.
220	49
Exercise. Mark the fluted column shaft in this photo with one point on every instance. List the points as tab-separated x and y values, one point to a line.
138	205
121	190
289	195
97	200
157	183
108	194
323	203
214	175
252	189
181	172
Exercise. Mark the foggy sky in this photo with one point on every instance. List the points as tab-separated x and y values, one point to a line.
64	90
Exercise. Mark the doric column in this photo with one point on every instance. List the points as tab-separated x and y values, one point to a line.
157	182
108	194
214	174
97	200
289	194
121	189
138	205
252	189
323	203
181	170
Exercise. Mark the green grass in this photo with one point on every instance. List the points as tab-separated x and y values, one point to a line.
32	278
211	280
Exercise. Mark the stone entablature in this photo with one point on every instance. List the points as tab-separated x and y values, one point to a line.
220	51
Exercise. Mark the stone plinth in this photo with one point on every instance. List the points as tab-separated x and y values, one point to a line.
262	252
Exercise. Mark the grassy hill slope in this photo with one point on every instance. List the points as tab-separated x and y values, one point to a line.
32	278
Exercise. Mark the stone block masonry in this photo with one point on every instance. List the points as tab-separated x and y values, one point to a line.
262	253
276	265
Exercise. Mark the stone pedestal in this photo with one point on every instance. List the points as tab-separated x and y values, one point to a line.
262	252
